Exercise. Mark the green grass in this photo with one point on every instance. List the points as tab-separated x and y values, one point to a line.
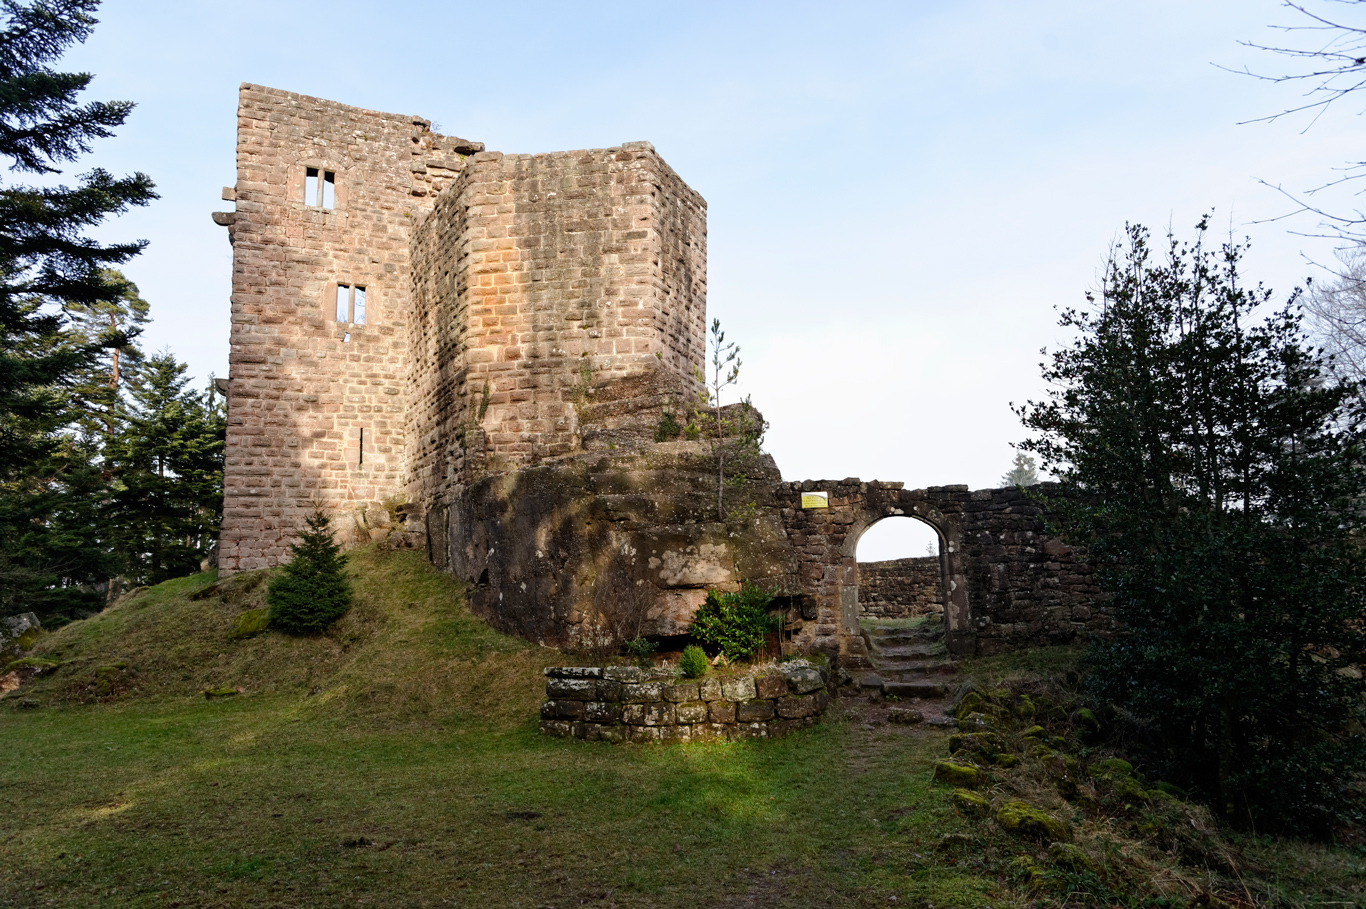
396	762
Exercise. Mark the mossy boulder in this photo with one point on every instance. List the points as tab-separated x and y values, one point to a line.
1005	760
958	773
1024	707
1171	789
1025	820
969	802
976	742
1085	720
971	703
36	665
1070	858
214	694
1034	732
975	722
249	624
1023	869
1112	767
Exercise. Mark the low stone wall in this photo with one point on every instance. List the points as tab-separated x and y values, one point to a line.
625	704
901	588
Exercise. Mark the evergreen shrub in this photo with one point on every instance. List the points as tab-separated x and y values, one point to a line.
312	591
738	623
693	662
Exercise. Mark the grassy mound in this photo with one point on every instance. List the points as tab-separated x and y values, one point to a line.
407	651
179	754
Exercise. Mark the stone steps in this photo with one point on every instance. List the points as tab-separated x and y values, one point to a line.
907	663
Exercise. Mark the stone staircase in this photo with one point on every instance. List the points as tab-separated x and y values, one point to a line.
908	662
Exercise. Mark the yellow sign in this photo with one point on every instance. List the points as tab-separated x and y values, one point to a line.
815	500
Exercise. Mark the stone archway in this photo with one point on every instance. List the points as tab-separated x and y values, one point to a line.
913	504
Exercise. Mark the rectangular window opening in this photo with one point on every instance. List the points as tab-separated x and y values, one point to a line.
360	457
343	303
358	308
320	187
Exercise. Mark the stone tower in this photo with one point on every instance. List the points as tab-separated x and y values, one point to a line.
409	309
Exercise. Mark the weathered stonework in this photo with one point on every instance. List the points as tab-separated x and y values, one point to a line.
900	588
498	290
528	320
619	704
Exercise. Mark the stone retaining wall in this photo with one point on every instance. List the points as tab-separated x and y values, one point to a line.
901	588
625	704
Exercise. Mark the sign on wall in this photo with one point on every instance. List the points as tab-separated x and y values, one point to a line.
815	500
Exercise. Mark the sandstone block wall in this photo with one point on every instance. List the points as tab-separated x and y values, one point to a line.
536	278
316	407
900	588
625	704
1009	584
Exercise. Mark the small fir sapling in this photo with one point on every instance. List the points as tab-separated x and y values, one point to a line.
693	662
312	591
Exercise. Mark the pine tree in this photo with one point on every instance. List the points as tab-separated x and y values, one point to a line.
46	263
112	326
312	590
167	460
1023	472
1216	482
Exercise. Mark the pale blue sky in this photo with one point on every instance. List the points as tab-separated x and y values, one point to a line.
899	193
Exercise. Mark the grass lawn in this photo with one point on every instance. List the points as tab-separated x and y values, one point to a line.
395	762
246	802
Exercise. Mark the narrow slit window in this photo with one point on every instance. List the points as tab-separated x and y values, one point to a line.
360	454
320	187
343	303
358	306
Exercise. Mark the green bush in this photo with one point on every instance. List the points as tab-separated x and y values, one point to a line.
738	623
693	662
312	591
642	650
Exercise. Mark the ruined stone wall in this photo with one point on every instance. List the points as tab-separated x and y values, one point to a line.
900	588
620	704
316	406
1010	584
537	278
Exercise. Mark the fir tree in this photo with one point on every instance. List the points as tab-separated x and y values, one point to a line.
168	465
1216	482
1023	472
311	591
47	262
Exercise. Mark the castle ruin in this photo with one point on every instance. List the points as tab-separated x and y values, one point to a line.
480	346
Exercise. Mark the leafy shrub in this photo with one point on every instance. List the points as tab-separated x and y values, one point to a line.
693	662
641	650
738	622
669	428
312	591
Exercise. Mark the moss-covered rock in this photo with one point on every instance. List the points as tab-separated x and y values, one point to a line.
1026	820
1171	789
1023	870
950	841
976	743
37	665
216	693
1085	720
975	722
958	773
1112	767
249	624
1024	708
969	802
1005	760
1070	858
971	703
